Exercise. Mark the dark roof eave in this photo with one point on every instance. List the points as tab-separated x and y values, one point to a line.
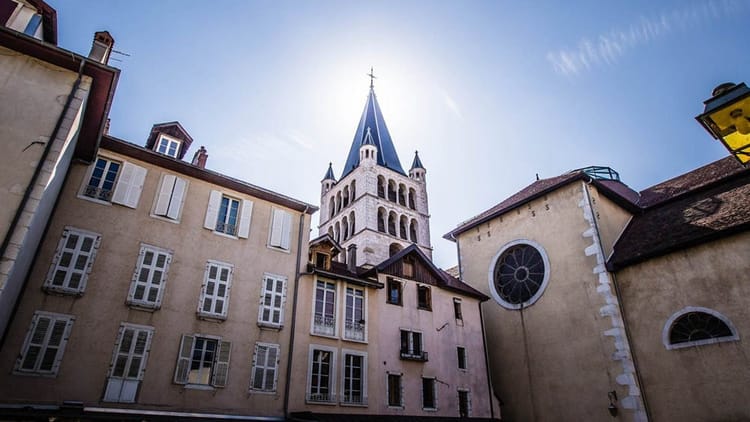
353	280
135	151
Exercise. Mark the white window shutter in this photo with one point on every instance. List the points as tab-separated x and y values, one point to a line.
285	230
129	185
178	196
183	360
212	212
165	194
245	216
221	368
63	342
277	227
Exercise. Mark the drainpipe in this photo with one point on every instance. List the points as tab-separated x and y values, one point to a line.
32	183
294	311
620	306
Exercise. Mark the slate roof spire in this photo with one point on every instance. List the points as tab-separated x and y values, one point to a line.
417	163
372	129
329	174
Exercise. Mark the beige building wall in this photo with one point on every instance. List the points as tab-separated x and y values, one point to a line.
558	358
101	309
697	383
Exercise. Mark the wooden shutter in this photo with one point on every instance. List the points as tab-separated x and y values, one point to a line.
277	227
212	212
165	194
245	215
285	229
129	185
183	360
221	367
178	196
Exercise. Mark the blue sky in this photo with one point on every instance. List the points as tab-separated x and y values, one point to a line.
490	93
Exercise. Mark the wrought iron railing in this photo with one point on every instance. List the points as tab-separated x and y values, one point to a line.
226	228
324	325
354	330
321	398
98	193
414	355
357	399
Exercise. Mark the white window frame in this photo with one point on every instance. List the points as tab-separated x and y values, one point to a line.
169	142
219	374
262	306
126	188
21	20
351	321
279	234
75	254
148	285
363	378
468	401
124	388
170	198
324	325
43	343
260	363
667	329
465	355
309	396
411	352
213	296
85	185
434	394
244	210
460	317
388	388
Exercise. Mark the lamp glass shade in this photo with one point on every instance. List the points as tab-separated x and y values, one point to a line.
727	118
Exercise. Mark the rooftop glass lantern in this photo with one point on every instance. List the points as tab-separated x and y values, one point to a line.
727	118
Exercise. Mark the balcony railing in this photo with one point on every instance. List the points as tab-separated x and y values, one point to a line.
354	330
98	193
320	398
355	399
324	325
414	355
226	228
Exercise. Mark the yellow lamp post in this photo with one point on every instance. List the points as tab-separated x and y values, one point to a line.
726	117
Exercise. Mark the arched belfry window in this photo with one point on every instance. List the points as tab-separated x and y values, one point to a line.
381	186
697	326
392	190
381	220
519	274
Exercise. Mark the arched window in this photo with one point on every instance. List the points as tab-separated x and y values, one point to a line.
346	197
353	190
352	226
330	232
413	231
381	220
696	326
336	232
394	249
391	190
338	201
332	206
345	228
402	194
519	274
412	199
403	224
381	186
392	220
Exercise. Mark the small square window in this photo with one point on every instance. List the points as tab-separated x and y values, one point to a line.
101	183
457	309
394	292
423	298
168	146
321	260
395	395
412	346
461	351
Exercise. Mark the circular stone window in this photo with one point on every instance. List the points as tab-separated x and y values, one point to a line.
519	274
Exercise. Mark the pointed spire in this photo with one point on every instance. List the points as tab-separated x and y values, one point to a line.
372	128
417	163
329	174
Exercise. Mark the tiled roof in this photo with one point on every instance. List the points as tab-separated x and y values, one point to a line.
699	206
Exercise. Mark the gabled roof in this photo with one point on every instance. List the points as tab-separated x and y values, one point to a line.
444	280
326	238
417	163
173	129
699	206
372	123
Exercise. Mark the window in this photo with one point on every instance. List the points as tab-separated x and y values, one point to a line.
23	18
101	184
265	367
33	25
464	404
394	292
457	310
354	323
168	146
461	351
321	375
321	260
280	229
355	383
150	277
72	262
272	299
429	396
697	326
228	215
203	361
411	346
217	282
518	274
424	300
128	362
170	197
395	393
324	318
43	348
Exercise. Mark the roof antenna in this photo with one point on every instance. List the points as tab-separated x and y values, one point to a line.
372	77
537	177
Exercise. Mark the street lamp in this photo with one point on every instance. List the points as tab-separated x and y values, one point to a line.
726	117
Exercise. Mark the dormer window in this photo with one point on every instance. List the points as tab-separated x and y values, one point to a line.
168	145
26	19
321	260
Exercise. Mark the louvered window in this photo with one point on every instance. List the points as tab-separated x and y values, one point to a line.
150	277
73	261
45	342
128	363
280	229
265	367
217	282
170	197
203	361
272	299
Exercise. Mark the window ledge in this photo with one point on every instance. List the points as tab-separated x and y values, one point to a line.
210	317
334	337
200	387
321	402
422	308
350	404
33	374
142	307
278	249
269	326
352	340
61	291
429	409
263	392
164	218
394	303
94	200
228	236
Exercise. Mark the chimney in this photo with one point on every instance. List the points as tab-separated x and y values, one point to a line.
200	157
102	47
351	259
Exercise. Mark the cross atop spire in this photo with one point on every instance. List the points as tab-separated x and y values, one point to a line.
372	78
